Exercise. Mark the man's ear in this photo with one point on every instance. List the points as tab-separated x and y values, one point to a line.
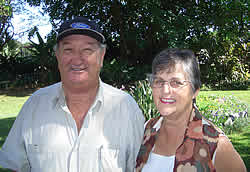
102	54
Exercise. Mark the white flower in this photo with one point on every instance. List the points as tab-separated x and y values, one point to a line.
187	167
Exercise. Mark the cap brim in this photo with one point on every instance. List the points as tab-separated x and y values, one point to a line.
88	32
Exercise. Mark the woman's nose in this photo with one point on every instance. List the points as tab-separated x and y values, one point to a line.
166	87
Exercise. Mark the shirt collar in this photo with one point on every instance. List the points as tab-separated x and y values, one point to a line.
60	101
99	100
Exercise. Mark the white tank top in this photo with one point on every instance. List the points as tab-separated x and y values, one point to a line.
159	163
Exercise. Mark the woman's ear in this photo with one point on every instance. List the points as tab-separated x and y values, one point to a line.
196	93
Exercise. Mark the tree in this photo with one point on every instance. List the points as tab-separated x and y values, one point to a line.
142	28
6	34
138	29
6	28
43	56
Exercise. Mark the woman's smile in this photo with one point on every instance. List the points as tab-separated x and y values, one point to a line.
167	100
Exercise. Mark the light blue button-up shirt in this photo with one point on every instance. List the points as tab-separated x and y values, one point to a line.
44	137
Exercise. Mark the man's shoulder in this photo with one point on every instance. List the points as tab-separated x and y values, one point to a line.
118	95
48	90
109	89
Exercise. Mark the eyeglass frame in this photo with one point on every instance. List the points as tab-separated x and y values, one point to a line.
152	78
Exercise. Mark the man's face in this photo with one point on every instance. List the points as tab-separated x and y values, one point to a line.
80	59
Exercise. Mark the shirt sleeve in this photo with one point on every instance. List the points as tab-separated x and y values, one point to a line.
135	136
13	153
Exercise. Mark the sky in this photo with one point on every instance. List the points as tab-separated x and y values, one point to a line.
26	19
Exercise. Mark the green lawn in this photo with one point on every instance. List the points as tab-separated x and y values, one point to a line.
241	142
12	101
243	95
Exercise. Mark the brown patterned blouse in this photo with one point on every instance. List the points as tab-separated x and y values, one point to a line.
194	154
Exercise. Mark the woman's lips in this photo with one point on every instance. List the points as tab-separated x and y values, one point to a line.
167	100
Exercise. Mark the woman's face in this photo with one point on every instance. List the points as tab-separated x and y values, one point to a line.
170	101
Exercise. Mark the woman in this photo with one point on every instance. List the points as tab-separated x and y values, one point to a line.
180	139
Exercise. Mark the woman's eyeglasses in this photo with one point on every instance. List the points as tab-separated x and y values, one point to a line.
174	83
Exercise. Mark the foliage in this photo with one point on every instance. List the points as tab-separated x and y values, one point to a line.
9	60
5	8
43	56
237	125
6	28
120	73
229	71
142	94
137	30
32	64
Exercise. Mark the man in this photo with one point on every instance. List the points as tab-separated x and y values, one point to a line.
80	124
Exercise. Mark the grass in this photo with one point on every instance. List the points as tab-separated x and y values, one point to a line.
12	101
243	95
241	142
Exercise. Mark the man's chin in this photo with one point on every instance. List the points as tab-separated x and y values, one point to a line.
75	83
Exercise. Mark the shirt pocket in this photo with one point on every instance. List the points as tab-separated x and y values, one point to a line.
43	157
110	157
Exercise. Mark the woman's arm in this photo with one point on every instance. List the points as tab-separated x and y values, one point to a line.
227	158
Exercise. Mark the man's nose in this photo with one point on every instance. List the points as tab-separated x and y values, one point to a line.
78	54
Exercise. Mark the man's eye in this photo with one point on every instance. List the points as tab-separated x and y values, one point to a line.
88	51
68	49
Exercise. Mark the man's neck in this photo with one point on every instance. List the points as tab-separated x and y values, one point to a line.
80	94
79	102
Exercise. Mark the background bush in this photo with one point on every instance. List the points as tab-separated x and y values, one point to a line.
122	74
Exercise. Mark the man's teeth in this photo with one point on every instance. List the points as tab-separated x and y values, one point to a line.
76	69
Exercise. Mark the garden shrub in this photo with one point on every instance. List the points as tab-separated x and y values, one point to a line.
225	73
120	73
142	93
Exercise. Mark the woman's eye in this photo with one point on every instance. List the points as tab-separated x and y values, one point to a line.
159	82
176	83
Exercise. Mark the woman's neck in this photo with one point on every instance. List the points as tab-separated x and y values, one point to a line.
171	134
176	121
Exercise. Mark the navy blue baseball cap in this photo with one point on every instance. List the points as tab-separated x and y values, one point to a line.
82	26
